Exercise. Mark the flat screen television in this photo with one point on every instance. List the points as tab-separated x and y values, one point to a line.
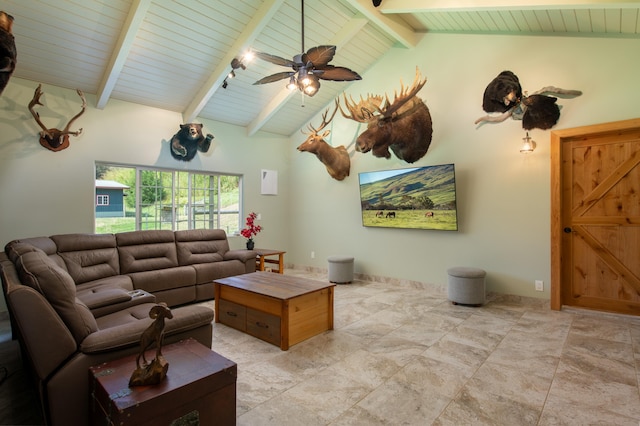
416	198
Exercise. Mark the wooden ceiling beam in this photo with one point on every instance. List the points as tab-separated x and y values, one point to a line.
394	27
136	15
390	7
260	20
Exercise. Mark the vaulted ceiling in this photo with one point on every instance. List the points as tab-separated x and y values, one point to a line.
176	54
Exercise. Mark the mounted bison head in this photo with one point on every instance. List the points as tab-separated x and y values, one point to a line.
403	125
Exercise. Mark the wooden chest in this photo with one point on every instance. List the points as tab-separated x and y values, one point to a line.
280	309
200	389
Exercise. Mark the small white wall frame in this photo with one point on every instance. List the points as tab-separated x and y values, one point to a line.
269	182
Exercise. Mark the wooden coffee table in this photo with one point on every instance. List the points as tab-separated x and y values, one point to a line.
280	309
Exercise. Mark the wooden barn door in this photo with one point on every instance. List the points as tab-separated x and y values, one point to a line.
596	217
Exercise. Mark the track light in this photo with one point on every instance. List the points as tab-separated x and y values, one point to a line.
224	84
231	74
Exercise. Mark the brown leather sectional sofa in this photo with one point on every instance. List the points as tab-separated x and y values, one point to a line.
78	300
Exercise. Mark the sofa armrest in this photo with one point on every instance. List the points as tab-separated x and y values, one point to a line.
103	297
47	340
241	255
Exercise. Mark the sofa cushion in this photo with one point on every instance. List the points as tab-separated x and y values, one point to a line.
201	246
122	329
146	251
40	272
46	244
88	257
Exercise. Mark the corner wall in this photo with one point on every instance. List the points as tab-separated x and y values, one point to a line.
503	195
46	193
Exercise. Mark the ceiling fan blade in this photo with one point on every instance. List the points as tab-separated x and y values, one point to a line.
277	60
338	74
319	55
275	77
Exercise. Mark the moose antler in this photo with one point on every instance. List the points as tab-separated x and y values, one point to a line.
55	139
405	95
362	112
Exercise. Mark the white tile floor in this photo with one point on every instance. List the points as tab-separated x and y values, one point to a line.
401	354
405	355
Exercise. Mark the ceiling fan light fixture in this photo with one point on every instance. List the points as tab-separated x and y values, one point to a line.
312	85
293	84
308	67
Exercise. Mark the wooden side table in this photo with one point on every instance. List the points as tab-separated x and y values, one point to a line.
261	259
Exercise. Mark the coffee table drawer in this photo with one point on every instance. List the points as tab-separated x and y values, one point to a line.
232	314
263	326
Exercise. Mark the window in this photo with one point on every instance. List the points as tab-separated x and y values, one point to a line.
102	200
171	199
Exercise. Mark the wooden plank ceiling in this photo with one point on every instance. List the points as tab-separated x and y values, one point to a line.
176	54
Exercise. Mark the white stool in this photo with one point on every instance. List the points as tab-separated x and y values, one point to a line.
466	285
340	269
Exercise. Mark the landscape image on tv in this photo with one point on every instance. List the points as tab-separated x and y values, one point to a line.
418	198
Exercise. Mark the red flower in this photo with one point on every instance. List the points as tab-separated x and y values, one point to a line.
251	228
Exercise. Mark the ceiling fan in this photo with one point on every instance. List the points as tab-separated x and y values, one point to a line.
307	68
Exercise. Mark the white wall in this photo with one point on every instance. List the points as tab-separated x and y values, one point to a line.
45	193
503	195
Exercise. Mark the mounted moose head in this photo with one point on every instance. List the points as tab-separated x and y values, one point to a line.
54	139
7	49
403	125
335	159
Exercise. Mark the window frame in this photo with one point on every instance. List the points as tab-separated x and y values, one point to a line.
213	201
102	197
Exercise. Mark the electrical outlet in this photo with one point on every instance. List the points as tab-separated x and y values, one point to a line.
313	254
539	285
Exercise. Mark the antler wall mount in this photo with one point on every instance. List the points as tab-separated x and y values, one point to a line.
308	68
55	139
335	159
402	125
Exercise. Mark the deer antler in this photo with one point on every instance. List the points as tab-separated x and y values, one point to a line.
325	122
405	95
55	139
362	111
36	101
75	117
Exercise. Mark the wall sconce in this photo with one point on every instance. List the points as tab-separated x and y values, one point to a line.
528	145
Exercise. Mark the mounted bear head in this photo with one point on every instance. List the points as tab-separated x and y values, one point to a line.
188	141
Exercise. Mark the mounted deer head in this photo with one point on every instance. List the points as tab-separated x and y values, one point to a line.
335	159
54	139
404	124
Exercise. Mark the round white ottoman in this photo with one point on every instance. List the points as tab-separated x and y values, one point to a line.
466	285
340	269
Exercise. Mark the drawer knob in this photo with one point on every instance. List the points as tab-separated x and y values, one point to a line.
261	324
232	314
